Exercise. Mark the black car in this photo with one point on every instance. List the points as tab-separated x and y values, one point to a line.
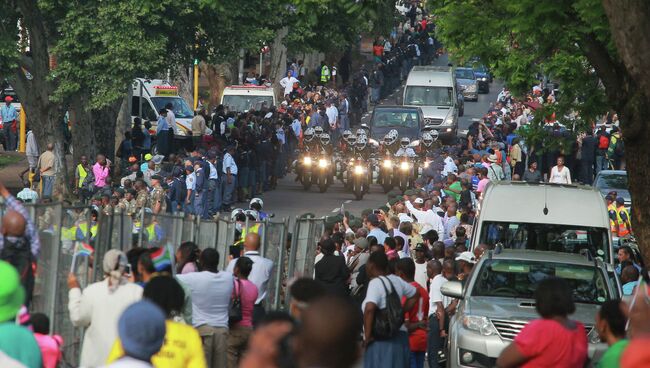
407	120
483	77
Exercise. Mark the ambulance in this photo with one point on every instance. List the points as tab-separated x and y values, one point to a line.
247	97
152	95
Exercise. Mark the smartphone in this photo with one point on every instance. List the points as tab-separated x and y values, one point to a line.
127	269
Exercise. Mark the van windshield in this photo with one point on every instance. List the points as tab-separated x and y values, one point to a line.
428	96
546	237
180	108
519	279
383	118
240	103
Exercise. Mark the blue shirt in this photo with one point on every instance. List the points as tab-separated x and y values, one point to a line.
8	113
380	235
161	125
629	287
146	144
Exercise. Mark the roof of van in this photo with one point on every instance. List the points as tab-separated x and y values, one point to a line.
543	256
525	202
430	76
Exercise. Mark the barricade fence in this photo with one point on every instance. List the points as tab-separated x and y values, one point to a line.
67	233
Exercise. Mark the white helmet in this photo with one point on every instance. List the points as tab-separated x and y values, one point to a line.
325	138
362	141
393	133
352	139
360	132
318	130
235	212
309	134
365	127
404	142
257	201
427	139
252	215
434	135
388	140
346	134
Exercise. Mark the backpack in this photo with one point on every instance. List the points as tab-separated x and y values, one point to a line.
388	320
603	142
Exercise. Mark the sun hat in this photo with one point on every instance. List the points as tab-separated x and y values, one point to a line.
12	294
467	257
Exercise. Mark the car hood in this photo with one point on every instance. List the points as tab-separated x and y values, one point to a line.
434	112
466	82
378	133
521	309
480	74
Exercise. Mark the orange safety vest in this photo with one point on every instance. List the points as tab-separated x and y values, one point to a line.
611	209
623	229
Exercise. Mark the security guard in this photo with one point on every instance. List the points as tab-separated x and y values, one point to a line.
82	232
611	213
107	208
623	218
325	74
200	191
158	202
127	204
253	218
142	197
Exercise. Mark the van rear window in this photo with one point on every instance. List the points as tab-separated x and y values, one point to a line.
546	237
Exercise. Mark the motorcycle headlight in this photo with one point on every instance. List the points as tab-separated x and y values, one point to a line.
307	161
388	164
479	324
358	170
404	165
323	162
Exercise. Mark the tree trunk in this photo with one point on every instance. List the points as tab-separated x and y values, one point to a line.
218	77
630	29
183	80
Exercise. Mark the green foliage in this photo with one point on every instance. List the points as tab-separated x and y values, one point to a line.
521	41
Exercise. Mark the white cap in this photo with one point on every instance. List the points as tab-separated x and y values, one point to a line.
467	257
418	200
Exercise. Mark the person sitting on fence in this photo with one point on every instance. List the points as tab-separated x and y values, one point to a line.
98	307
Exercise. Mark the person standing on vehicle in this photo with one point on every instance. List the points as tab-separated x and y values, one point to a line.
9	120
287	83
532	175
162	134
615	149
560	174
47	166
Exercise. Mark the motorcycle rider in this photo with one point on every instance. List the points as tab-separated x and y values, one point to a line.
256	204
405	150
428	144
390	142
309	143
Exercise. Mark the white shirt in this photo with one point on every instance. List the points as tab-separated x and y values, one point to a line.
211	294
435	295
213	172
377	294
560	176
31	148
429	218
260	274
190	181
287	84
421	274
332	114
229	162
171	120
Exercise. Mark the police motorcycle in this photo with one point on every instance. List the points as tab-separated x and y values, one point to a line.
359	169
304	165
345	150
404	172
428	145
347	162
323	167
387	161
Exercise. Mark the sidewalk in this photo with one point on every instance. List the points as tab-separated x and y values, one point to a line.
9	174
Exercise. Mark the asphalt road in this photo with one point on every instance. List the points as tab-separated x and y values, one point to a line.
290	200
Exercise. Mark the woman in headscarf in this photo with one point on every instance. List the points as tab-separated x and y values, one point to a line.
99	306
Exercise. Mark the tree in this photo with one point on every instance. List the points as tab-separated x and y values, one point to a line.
596	50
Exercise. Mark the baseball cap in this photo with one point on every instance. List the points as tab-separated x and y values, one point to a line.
467	257
620	200
157	159
12	294
418	201
142	329
148	157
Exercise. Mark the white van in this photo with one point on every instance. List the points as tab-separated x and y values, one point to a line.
433	89
245	97
546	217
152	95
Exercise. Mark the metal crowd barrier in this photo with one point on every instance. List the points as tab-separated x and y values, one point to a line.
62	229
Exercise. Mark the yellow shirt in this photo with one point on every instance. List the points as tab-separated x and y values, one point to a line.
182	348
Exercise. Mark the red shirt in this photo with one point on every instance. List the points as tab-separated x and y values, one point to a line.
419	312
547	343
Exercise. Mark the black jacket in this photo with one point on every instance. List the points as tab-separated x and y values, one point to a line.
333	273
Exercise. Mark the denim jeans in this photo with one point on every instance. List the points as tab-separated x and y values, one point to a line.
434	341
201	204
417	359
48	185
375	94
214	187
189	207
229	190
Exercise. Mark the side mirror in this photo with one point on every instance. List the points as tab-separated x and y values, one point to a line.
452	289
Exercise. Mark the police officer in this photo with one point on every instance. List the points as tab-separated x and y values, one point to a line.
200	191
158	199
229	179
190	183
176	193
257	204
214	185
623	219
611	212
405	150
142	197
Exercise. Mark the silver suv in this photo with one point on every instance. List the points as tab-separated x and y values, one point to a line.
497	301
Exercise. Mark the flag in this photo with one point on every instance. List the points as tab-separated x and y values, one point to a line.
161	258
83	249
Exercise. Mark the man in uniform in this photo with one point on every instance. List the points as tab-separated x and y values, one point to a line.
610	200
623	219
143	195
127	204
107	209
158	200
